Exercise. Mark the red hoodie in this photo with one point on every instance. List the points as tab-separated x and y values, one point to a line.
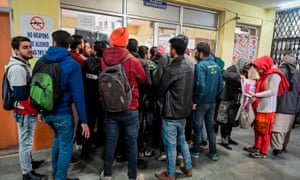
133	69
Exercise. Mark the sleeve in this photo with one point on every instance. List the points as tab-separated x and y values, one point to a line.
17	79
220	83
272	86
167	79
77	90
140	73
200	80
230	74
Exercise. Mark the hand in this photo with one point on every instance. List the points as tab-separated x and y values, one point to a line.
40	118
242	77
252	94
194	106
85	130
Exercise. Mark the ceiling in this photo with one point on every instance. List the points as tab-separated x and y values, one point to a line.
267	4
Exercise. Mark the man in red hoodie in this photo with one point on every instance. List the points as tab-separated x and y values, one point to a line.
127	120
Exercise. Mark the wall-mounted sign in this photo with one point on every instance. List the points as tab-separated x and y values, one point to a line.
86	22
38	29
156	4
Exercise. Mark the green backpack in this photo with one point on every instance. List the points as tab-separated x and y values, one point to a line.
45	88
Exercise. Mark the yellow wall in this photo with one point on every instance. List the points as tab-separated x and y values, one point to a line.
250	15
43	135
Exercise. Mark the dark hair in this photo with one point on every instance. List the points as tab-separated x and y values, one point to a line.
61	38
132	45
99	47
16	41
152	51
204	48
179	43
76	40
143	50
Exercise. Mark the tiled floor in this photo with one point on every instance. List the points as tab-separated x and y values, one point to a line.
234	164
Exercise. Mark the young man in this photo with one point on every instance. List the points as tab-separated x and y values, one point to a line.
208	85
127	120
61	118
19	75
177	92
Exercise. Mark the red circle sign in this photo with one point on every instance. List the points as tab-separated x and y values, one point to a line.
37	23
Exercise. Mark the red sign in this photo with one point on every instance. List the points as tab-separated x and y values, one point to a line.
37	23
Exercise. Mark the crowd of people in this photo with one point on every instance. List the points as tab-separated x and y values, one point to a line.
178	102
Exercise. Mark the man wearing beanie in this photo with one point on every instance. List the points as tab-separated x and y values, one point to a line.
126	120
287	106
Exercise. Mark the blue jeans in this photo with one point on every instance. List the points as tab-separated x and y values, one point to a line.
204	113
173	134
129	122
62	148
26	127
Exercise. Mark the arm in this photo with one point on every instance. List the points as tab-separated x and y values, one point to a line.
167	79
272	86
231	74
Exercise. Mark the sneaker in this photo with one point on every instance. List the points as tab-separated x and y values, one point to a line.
33	175
102	177
188	173
163	176
276	152
140	177
74	161
162	157
37	164
141	154
258	155
73	179
179	157
230	141
204	145
214	157
195	155
251	149
149	153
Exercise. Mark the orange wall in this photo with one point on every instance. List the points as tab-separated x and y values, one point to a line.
8	129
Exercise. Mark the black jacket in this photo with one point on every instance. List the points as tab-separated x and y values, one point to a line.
176	88
289	103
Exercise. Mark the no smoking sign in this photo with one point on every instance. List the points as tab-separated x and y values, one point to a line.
37	23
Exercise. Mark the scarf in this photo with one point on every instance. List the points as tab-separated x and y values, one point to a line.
266	63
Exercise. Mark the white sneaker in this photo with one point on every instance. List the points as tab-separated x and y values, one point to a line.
102	177
162	157
140	177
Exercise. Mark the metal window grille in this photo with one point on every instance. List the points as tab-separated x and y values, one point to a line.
286	37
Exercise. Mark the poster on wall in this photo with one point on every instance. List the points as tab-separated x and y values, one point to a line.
245	46
38	29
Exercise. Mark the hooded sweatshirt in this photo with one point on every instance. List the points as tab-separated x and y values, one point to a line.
71	82
133	69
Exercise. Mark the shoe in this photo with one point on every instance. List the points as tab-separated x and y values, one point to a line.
102	177
250	149
277	152
37	164
204	145
179	157
74	161
139	177
214	157
190	144
195	155
162	157
149	153
34	176
258	155
232	141
226	146
141	154
73	179
284	149
188	173
163	176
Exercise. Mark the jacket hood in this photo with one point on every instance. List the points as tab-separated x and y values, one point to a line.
265	63
13	60
55	53
241	63
115	55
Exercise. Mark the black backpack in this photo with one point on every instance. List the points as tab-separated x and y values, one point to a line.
114	88
8	98
45	88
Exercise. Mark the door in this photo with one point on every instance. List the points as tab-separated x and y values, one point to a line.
8	128
163	33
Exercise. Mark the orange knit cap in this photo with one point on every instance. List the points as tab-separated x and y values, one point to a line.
119	37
